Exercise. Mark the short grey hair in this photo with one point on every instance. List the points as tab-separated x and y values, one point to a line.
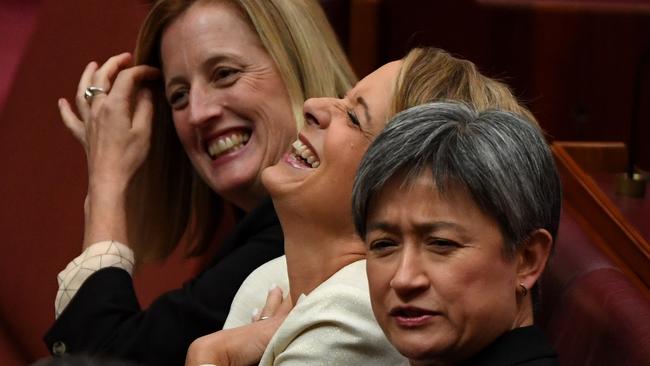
500	158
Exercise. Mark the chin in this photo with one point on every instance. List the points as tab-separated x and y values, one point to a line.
281	179
232	186
419	347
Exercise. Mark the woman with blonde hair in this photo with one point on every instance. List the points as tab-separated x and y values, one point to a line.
324	269
214	98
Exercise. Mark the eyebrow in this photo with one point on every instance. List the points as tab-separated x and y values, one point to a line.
206	65
420	228
174	80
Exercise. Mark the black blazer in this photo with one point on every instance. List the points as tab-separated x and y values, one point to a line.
521	346
104	317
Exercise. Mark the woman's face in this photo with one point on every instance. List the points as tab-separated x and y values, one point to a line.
229	104
440	285
317	173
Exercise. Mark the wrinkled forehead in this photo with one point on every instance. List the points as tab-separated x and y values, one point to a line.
376	91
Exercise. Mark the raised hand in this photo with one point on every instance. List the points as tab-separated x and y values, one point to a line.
114	127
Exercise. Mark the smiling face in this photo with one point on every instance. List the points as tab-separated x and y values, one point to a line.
317	173
440	285
229	104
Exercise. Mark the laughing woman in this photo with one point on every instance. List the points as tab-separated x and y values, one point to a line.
226	84
311	188
457	241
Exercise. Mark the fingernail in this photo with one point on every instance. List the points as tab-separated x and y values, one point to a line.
273	286
302	296
60	102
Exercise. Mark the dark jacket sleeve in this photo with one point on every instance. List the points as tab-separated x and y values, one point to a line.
104	317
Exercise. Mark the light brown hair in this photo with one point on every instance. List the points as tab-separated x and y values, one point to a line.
431	74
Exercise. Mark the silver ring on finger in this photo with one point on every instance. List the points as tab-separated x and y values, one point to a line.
92	91
264	318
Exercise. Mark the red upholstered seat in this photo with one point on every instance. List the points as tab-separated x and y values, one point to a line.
593	314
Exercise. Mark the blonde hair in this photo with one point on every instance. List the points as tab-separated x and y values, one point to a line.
431	74
167	200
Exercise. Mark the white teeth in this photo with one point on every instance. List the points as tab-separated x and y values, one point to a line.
298	146
229	143
301	150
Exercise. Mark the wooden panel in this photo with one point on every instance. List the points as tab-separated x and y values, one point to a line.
364	36
602	220
574	67
597	157
575	5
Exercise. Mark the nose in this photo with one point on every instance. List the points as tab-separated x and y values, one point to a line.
410	277
318	112
204	105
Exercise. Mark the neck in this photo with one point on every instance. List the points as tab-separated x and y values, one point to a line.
315	252
524	315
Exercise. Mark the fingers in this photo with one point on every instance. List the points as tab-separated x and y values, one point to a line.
101	77
143	113
129	105
73	123
86	78
105	75
285	307
273	302
127	82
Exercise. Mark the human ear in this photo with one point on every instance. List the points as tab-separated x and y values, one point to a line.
532	257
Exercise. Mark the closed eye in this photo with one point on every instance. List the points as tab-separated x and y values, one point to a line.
381	245
443	245
353	118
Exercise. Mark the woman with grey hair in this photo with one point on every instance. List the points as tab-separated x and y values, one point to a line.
459	210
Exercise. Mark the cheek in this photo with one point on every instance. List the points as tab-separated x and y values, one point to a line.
379	283
378	278
273	116
183	130
281	128
478	293
347	152
277	137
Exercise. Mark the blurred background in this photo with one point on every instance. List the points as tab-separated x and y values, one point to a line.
575	63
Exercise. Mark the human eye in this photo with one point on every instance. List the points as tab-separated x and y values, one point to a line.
178	98
441	245
353	118
224	75
382	246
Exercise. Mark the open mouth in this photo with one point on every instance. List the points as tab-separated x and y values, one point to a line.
303	154
228	143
